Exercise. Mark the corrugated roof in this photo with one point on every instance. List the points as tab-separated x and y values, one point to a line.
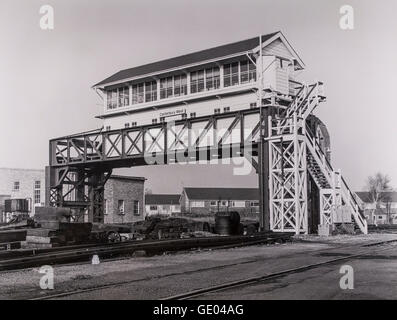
222	193
152	199
387	195
195	57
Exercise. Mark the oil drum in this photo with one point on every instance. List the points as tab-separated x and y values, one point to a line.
227	223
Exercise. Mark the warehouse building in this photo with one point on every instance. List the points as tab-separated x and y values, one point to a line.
210	200
24	184
124	199
162	204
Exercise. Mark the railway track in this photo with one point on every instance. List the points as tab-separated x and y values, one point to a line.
228	285
13	260
262	279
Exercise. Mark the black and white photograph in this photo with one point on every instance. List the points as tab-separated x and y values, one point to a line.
200	155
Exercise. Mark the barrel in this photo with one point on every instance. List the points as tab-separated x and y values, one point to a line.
227	223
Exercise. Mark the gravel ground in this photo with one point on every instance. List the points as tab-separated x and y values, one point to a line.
161	276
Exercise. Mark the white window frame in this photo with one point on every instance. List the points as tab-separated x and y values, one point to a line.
16	186
135	202
121	209
197	204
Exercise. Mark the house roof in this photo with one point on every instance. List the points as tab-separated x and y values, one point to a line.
222	193
187	59
116	177
389	195
160	199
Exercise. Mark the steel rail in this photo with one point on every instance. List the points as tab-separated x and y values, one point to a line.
116	284
260	279
111	250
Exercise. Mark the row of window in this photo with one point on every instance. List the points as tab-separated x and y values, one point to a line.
121	207
174	86
163	207
17	185
223	203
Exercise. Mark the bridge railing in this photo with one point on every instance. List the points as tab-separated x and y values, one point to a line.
189	135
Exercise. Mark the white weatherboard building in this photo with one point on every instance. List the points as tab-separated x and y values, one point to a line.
212	81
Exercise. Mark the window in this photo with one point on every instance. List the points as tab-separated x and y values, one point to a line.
212	79
107	128
153	208
253	105
127	125
193	115
123	96
238	204
118	97
180	85
138	93
154	121
36	196
213	203
36	193
223	203
112	99
106	209
184	116
226	109
16	186
197	81
120	206
247	71
150	91
254	204
197	204
166	88
133	124
217	111
162	119
136	208
230	76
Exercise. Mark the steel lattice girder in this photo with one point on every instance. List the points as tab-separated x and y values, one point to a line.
130	146
287	179
80	189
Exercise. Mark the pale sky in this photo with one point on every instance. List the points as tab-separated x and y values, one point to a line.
46	76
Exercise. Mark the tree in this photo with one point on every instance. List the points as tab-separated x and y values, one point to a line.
377	187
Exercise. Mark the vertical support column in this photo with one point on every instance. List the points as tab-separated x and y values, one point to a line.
130	95
80	191
96	197
263	166
48	184
221	76
158	88
188	83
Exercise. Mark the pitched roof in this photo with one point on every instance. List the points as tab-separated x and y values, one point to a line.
195	57
116	177
389	195
222	193
162	198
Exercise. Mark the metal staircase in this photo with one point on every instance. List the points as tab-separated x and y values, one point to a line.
294	151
